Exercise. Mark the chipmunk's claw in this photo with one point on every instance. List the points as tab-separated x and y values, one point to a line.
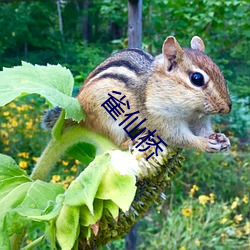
218	142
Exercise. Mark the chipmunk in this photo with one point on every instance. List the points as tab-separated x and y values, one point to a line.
176	92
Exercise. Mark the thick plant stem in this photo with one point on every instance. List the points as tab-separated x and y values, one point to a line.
57	147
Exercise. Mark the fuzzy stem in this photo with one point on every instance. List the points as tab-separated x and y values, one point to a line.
57	147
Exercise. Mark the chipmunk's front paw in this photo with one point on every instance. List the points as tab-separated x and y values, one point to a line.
218	142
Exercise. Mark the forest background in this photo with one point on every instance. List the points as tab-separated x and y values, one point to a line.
207	206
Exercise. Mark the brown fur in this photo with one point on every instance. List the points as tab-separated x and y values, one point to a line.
161	90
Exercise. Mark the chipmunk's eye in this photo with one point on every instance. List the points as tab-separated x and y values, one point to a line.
197	79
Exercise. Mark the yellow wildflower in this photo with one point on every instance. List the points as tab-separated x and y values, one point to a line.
6	113
203	199
65	163
223	220
35	159
223	235
55	178
14	123
77	162
234	152
24	154
245	199
12	105
197	242
23	164
238	233
211	195
247	227
183	248
187	211
238	159
28	241
29	124
6	149
224	164
4	134
193	190
65	185
73	168
238	218
6	141
225	207
70	178
235	203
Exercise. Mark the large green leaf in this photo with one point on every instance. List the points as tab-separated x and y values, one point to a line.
22	198
6	186
118	188
40	193
67	226
9	168
53	82
83	189
86	218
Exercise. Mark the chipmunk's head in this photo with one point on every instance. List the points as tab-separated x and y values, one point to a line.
194	79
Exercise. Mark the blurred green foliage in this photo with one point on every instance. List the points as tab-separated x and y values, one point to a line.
30	32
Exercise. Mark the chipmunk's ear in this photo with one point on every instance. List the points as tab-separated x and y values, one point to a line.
171	49
197	43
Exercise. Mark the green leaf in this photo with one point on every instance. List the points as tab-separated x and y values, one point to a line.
53	82
86	231
67	226
4	240
14	198
112	208
26	202
118	188
50	213
83	189
6	186
39	194
50	234
86	218
9	168
83	152
20	197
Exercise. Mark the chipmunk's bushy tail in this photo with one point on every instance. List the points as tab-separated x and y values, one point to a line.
50	117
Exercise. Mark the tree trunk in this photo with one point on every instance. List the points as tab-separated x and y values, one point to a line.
85	30
135	23
131	238
59	16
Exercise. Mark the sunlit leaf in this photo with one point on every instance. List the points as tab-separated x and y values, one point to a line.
67	225
112	208
9	168
83	189
53	82
118	188
86	218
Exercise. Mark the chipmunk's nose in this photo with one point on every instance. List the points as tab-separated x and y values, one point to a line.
226	109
